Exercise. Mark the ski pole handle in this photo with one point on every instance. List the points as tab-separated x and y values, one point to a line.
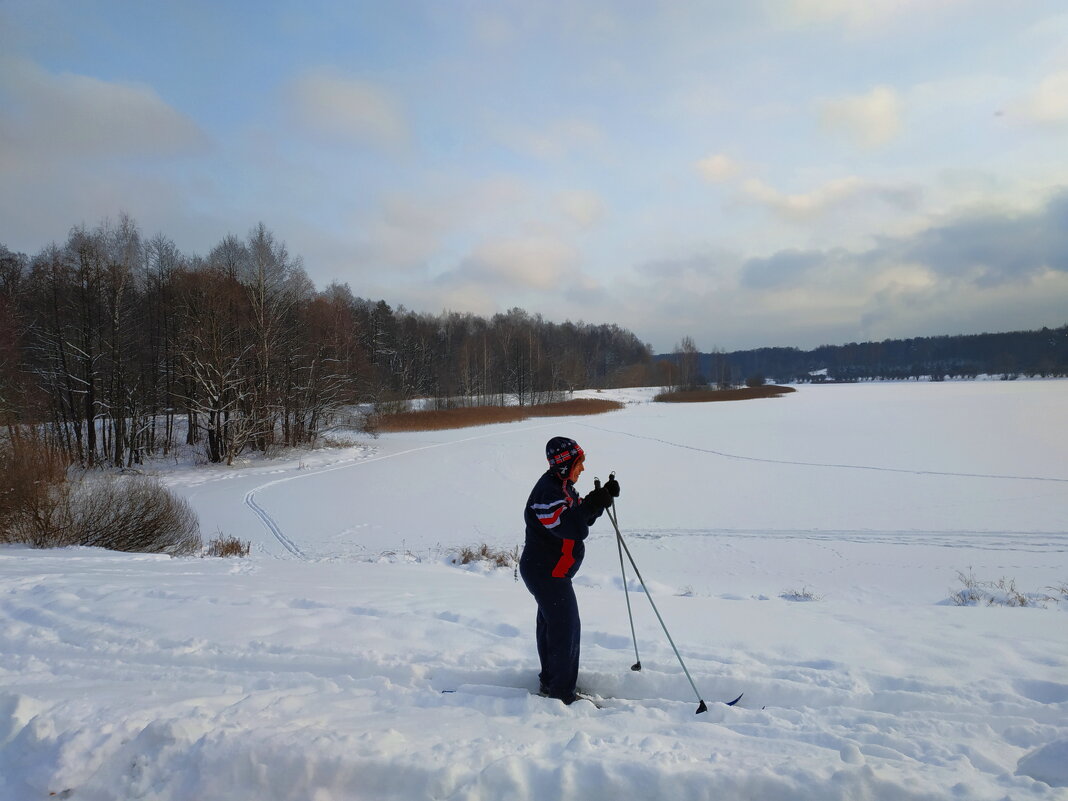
597	481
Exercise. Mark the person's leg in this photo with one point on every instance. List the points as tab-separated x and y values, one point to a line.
535	583
563	634
545	676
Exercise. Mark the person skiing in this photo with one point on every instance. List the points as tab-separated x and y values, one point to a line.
558	521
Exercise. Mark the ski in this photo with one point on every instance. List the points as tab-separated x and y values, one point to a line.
504	691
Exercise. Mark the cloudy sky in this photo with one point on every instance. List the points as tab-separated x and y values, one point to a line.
745	172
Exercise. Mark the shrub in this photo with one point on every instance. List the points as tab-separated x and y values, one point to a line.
225	546
43	506
1002	592
804	594
484	553
121	513
133	514
755	381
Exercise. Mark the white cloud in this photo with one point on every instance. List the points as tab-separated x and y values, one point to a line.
994	270
66	117
530	262
74	148
585	209
718	168
407	231
872	119
348	108
422	232
553	141
1048	104
539	273
864	14
692	95
832	196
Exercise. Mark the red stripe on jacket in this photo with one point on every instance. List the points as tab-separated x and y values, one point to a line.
566	560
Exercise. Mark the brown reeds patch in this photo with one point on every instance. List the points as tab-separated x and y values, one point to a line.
713	395
467	416
31	468
224	546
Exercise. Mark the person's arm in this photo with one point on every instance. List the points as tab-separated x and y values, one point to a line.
561	519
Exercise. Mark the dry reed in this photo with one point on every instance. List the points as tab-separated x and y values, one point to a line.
467	416
225	546
713	395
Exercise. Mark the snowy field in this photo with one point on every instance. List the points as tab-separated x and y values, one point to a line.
802	550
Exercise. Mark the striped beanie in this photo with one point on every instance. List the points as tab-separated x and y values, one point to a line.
562	453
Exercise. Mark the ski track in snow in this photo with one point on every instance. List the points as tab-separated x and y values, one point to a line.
269	522
1022	541
276	531
828	465
1010	540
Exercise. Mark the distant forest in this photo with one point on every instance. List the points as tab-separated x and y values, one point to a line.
1041	353
120	346
117	347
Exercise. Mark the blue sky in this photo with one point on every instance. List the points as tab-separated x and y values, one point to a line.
773	172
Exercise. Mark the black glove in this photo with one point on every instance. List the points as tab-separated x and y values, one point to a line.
599	497
612	486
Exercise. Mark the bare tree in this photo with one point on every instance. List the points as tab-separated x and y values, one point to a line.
161	367
687	364
720	372
122	336
14	401
273	283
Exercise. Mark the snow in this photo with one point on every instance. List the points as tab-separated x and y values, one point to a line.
1048	764
316	668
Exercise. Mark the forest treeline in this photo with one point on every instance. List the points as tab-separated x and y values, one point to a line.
121	346
1040	353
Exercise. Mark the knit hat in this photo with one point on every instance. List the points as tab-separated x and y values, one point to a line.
562	454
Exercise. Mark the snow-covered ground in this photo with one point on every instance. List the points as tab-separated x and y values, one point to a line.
315	669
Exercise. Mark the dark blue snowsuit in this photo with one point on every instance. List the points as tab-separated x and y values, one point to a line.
557	523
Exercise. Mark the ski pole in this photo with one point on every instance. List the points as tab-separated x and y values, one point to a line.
623	570
702	707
